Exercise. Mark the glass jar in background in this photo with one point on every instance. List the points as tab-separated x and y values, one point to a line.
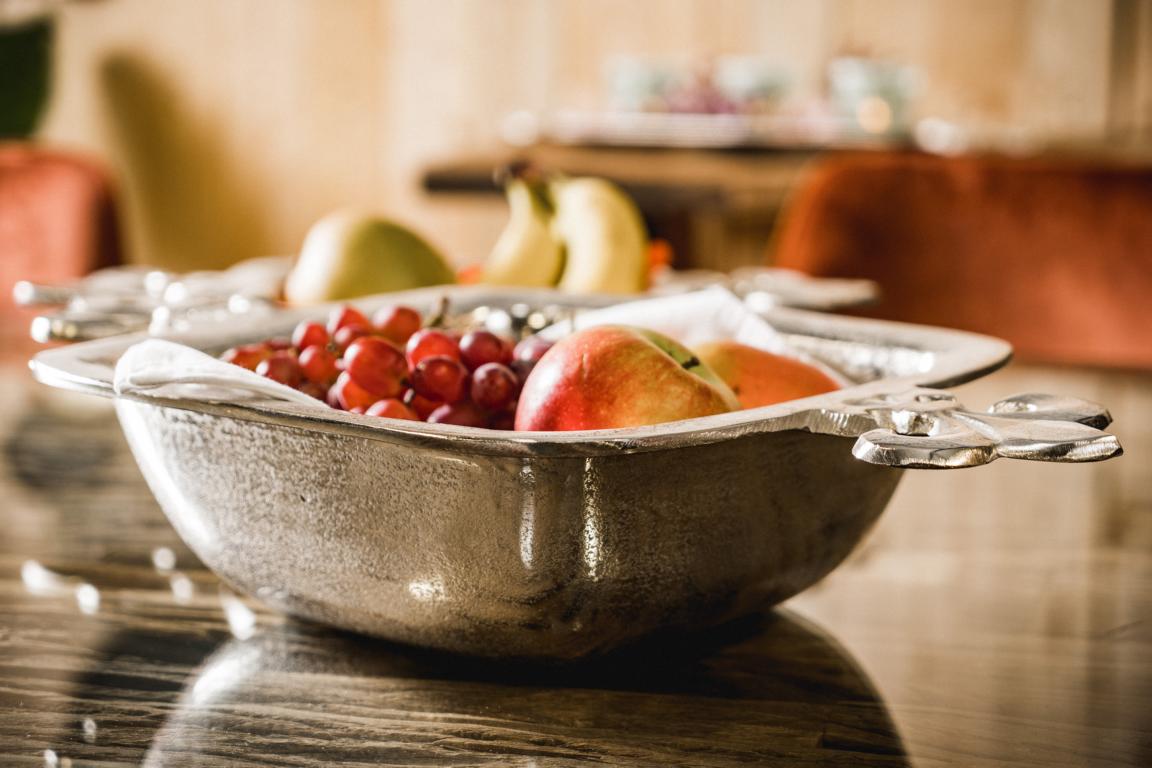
873	96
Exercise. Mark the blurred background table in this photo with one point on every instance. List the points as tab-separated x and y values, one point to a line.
717	209
995	617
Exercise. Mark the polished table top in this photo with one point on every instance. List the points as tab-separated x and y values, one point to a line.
996	617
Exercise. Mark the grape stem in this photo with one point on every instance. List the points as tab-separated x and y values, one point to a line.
440	314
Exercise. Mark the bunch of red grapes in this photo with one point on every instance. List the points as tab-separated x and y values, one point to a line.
393	366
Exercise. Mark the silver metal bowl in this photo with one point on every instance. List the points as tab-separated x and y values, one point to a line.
561	545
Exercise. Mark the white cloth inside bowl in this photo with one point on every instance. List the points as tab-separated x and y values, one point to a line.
712	314
160	368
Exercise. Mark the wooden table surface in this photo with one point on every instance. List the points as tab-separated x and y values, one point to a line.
997	616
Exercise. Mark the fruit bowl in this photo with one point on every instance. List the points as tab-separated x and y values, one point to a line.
562	545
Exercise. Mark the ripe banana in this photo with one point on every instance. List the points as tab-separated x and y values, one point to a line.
605	242
527	252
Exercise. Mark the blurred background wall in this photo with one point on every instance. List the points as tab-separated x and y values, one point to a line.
234	124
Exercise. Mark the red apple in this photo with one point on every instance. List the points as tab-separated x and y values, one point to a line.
762	378
613	376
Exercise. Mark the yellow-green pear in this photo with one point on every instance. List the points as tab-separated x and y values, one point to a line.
348	254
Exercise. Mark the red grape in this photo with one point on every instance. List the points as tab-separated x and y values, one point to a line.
346	315
377	365
531	349
463	414
347	394
282	366
247	356
318	391
493	386
309	335
527	353
440	378
431	341
397	323
422	406
392	408
480	347
348	334
396	369
319	364
277	345
504	421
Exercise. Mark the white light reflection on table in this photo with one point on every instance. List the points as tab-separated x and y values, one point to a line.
241	619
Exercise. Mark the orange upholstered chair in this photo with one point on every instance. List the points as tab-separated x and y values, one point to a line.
1054	256
57	223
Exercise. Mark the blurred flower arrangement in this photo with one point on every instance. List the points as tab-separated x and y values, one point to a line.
732	101
723	85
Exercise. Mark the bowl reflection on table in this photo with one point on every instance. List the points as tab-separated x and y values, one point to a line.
769	687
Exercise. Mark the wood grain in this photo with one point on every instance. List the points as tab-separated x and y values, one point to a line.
996	617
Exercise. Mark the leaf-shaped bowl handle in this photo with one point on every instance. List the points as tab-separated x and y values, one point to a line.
929	429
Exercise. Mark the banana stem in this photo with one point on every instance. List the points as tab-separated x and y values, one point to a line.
534	180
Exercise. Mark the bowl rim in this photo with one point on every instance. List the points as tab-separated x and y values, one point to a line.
957	357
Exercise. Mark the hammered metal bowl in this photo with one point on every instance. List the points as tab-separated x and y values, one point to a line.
561	545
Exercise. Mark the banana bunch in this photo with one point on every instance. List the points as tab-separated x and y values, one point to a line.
582	235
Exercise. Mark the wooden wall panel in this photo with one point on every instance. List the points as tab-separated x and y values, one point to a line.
1130	76
236	123
1037	66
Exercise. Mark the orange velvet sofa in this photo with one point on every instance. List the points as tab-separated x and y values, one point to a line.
1054	256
